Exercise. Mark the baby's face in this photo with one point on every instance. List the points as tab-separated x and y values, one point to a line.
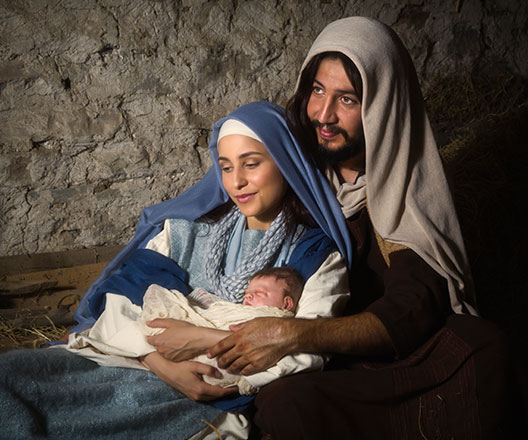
265	291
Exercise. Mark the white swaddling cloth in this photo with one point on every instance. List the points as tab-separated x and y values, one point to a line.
118	337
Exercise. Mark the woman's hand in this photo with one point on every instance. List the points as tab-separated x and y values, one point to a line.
186	377
255	345
181	340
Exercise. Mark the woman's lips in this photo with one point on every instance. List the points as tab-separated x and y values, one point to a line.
244	198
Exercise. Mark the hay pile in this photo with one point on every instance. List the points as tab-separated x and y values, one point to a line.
35	312
481	122
30	336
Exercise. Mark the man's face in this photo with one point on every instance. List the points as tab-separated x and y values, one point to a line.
335	111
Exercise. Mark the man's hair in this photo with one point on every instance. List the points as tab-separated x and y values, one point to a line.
297	117
293	279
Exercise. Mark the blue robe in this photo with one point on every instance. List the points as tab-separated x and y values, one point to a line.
56	394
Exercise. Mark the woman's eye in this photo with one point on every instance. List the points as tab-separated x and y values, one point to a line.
317	90
252	164
226	169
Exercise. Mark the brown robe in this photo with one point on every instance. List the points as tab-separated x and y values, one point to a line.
450	377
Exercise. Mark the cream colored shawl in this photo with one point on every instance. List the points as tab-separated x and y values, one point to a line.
408	196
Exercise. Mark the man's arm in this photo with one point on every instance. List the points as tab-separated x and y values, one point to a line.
258	344
362	334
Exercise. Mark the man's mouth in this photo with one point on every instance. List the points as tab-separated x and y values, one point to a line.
327	134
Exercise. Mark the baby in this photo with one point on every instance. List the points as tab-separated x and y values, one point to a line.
273	286
120	331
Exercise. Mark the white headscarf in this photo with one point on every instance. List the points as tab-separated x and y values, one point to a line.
232	126
408	196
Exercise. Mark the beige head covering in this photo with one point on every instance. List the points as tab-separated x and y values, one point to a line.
408	196
233	126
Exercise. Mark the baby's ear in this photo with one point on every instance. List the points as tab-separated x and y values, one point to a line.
287	303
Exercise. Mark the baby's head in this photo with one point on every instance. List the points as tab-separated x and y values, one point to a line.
275	286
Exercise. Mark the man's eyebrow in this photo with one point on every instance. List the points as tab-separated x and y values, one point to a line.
243	155
342	91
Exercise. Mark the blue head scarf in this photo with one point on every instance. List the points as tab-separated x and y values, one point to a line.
267	120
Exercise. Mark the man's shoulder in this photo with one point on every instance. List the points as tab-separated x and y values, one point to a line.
385	246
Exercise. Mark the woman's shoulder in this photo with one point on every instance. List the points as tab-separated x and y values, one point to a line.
182	226
312	247
185	236
313	236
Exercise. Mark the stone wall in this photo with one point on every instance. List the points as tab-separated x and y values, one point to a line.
106	105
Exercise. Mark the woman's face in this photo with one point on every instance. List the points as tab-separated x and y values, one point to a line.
252	179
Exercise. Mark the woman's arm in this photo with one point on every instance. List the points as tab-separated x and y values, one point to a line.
161	242
182	340
186	377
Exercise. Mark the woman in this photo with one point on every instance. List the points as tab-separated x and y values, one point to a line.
62	395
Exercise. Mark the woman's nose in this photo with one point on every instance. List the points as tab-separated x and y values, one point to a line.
239	179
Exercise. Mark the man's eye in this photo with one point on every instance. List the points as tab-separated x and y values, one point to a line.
317	90
347	100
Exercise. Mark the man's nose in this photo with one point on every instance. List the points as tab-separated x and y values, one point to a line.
327	113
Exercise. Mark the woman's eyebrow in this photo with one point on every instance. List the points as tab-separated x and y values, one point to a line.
243	155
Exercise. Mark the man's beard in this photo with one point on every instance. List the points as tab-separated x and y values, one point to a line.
351	147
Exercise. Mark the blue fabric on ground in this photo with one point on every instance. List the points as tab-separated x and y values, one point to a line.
54	394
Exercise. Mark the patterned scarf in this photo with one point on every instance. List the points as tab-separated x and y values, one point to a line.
231	287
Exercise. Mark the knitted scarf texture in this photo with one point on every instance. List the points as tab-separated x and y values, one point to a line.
231	287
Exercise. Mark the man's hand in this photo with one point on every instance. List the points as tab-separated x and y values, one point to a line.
256	345
186	377
259	344
181	340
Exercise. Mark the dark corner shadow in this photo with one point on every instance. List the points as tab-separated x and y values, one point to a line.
486	157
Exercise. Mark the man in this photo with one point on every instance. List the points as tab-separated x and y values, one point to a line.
412	362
